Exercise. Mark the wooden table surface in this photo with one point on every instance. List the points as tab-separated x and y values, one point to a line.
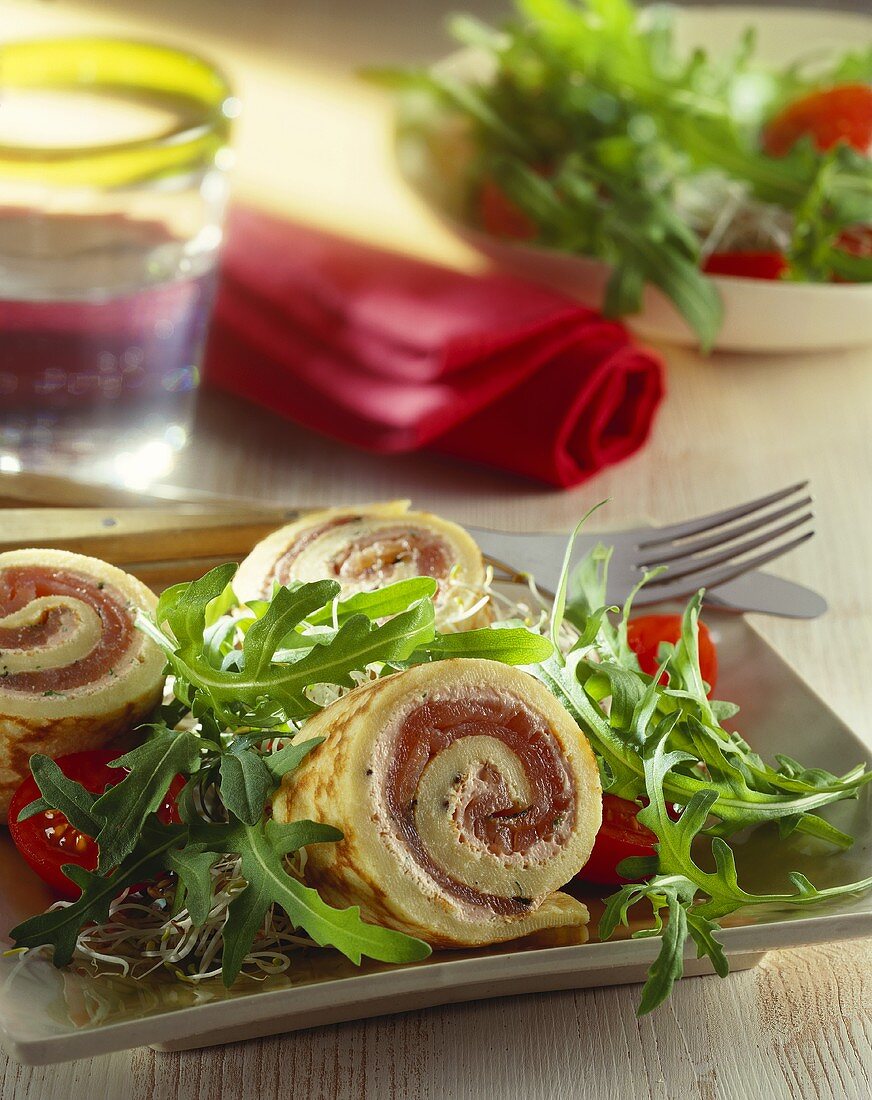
799	1025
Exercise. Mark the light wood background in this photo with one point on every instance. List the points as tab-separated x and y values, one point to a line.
797	1026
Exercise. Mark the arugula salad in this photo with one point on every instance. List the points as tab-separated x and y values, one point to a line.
217	886
582	127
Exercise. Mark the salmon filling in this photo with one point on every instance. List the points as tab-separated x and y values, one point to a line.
373	557
20	585
487	811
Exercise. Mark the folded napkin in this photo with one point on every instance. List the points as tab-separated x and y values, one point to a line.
391	354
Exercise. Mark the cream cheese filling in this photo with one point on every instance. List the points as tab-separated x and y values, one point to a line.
80	632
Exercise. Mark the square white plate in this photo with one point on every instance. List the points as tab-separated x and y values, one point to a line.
47	1015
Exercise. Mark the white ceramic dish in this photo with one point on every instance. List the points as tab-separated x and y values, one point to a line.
48	1015
758	315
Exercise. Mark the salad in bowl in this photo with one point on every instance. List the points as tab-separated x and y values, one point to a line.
656	164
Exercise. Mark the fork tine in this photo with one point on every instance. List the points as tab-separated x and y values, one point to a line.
686	567
655	593
717	519
720	538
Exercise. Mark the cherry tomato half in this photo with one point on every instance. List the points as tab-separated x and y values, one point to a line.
748	265
857	240
645	634
842	113
501	217
47	840
620	836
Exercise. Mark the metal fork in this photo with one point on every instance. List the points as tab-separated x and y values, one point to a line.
706	552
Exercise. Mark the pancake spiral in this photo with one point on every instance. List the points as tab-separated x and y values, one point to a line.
74	671
367	548
466	795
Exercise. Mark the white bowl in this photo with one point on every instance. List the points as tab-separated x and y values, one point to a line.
759	315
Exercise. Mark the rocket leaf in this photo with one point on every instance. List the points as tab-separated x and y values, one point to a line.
255	689
262	848
123	809
61	793
694	899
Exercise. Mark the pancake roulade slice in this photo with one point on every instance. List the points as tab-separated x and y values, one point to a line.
74	671
466	795
371	546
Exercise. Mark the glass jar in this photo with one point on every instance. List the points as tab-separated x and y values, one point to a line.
113	183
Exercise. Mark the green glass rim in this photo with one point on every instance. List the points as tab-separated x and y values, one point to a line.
196	91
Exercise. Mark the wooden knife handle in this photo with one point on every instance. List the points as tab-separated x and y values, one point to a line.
124	535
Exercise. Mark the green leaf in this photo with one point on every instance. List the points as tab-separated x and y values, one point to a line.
61	793
183	607
287	609
626	689
853	269
703	932
246	783
378	604
38	806
472	100
595	120
722	711
509	645
472	32
563	583
291	836
290	757
255	690
194	889
221	605
617	744
665	745
262	848
636	867
668	967
684	671
122	811
693	293
812	825
587	609
624	290
680	880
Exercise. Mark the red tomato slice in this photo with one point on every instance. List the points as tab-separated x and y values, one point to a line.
620	836
645	634
47	840
842	113
501	217
857	240
748	265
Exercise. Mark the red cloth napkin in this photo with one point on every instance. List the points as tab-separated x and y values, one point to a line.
391	354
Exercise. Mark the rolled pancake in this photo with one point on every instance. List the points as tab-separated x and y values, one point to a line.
466	794
368	547
74	671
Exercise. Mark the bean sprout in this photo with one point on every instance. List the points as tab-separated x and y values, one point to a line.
727	218
141	935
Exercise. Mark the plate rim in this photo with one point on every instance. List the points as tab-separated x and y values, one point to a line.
93	1040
